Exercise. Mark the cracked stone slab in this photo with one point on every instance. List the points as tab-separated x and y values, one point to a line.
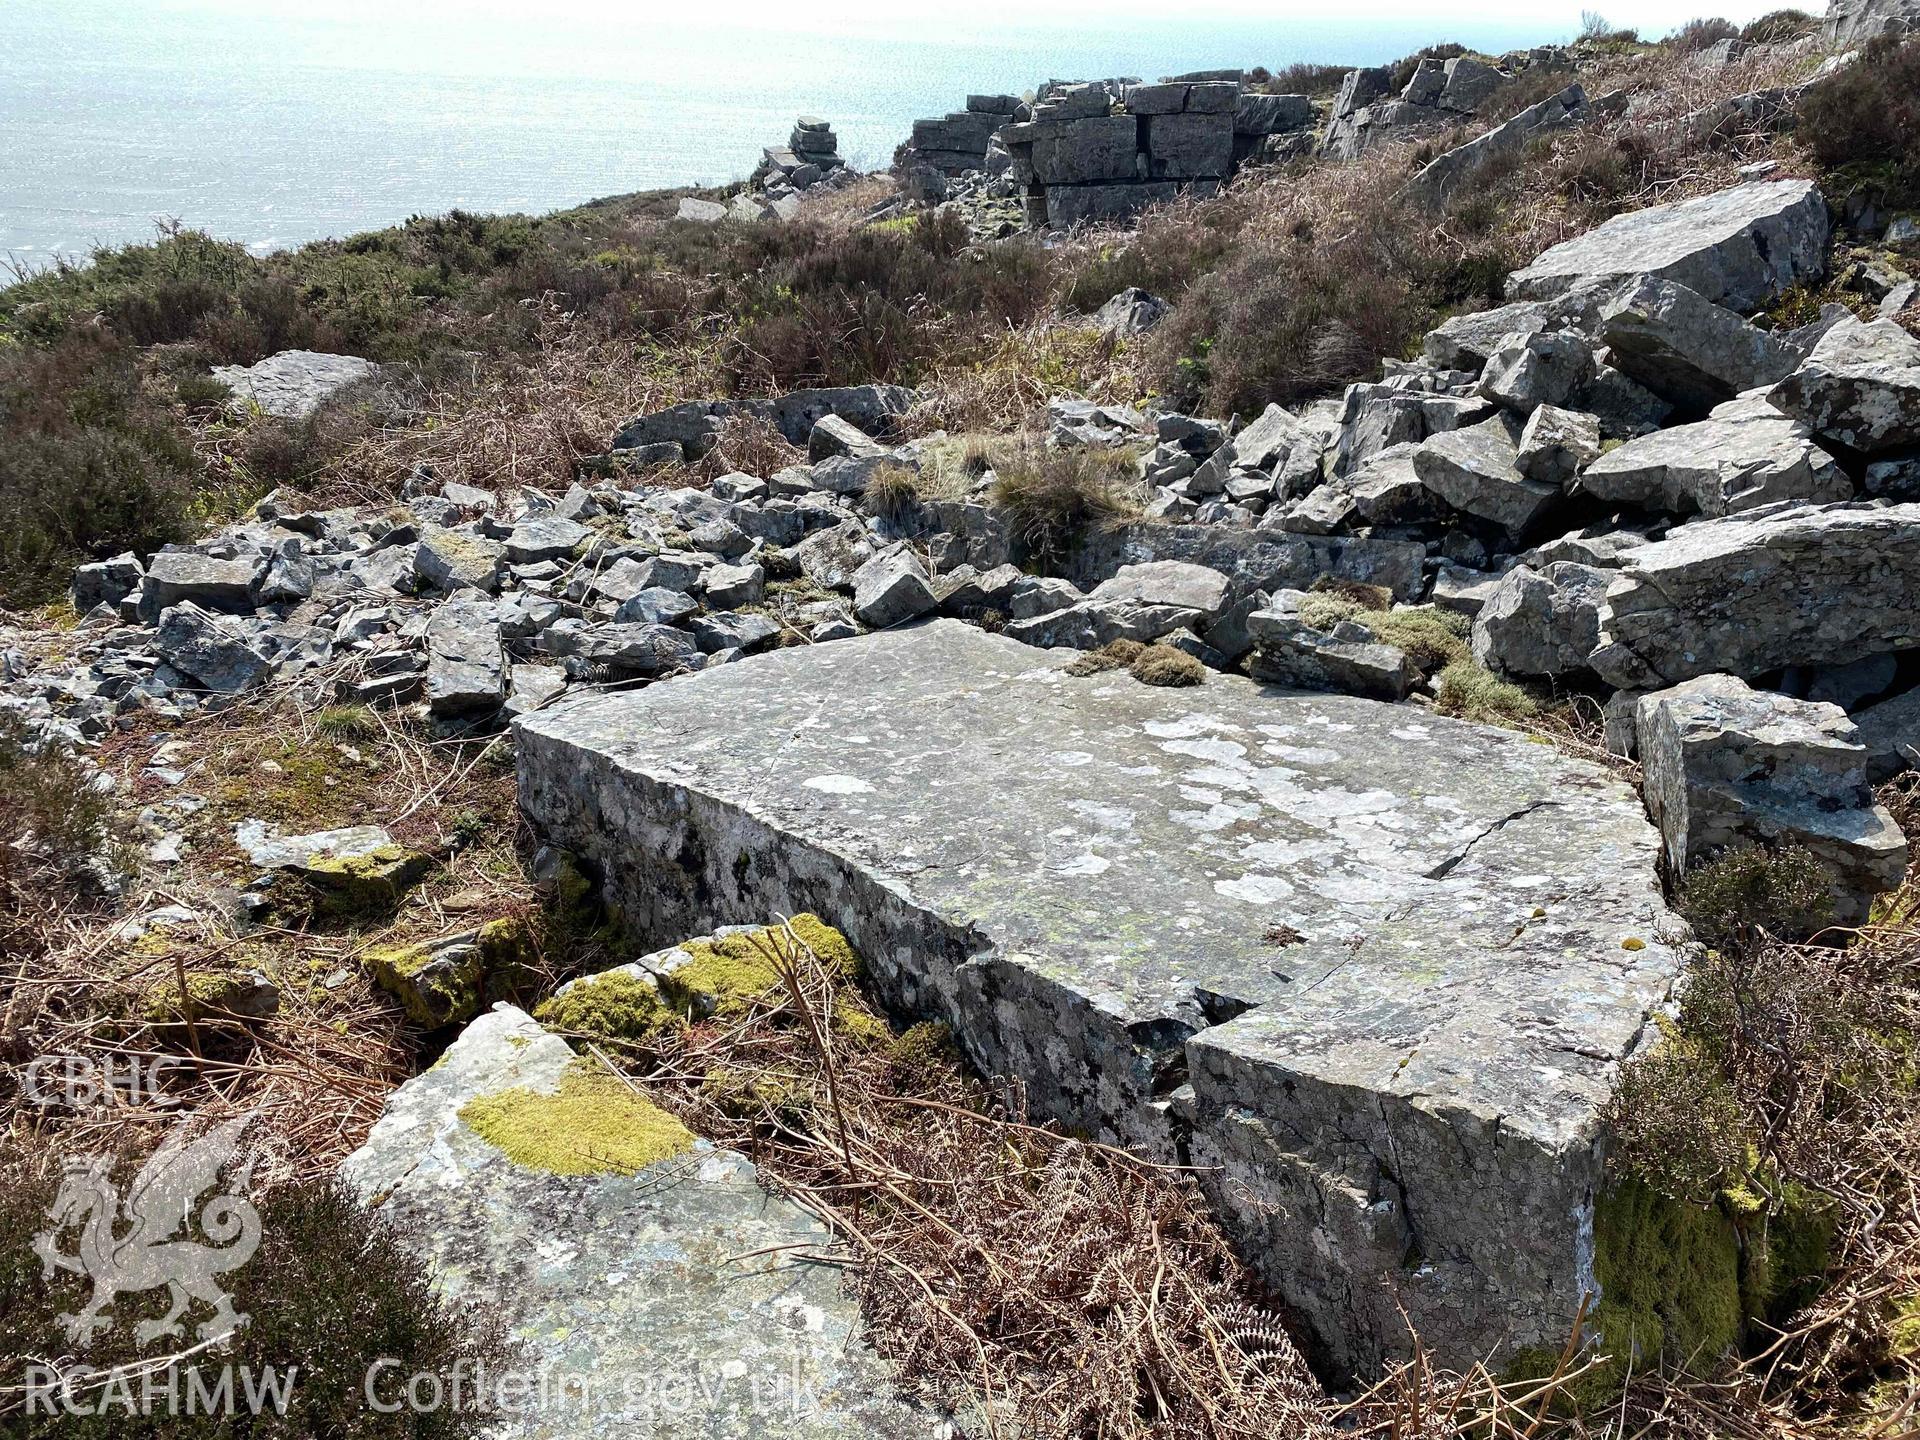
665	1302
1351	926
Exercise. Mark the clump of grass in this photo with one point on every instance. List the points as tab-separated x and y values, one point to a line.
1358	593
1054	499
1757	890
892	492
1432	638
1468	690
347	722
1862	123
1165	665
1114	655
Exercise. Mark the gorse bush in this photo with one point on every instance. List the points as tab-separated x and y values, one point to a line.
1862	124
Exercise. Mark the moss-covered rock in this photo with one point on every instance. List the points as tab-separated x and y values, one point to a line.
593	1124
211	997
371	882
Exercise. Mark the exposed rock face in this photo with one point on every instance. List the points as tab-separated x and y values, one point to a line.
1728	765
1744	455
1789	585
1475	471
1257	559
1854	22
294	383
1861	386
1738	247
669	1292
1081	875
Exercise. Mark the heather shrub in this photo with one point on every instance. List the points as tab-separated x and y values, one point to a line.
1779	27
1699	34
332	1290
1054	498
90	463
1733	899
1305	77
1862	123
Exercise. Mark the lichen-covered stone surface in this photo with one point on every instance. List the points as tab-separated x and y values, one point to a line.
655	1303
1376	966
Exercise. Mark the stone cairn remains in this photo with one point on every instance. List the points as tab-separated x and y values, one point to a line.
810	159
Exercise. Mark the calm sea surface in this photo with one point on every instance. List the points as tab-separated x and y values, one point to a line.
273	124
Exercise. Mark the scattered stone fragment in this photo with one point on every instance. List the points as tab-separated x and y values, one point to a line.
466	668
1541	622
1475	470
294	383
209	650
1686	349
1556	445
891	589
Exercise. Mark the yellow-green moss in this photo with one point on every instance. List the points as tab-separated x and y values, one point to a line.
617	1005
1788	1245
930	1042
1432	638
210	995
591	1125
746	1097
436	984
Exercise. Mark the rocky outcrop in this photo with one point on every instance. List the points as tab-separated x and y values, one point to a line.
1440	177
1687	350
1737	248
1854	22
1860	387
1727	765
1084	876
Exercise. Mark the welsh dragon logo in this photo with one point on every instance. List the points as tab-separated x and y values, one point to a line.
128	1248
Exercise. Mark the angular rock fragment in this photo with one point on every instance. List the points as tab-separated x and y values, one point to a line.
1292	651
1737	247
1744	455
1475	471
1541	622
294	383
1085	879
1860	386
1787	585
1528	372
892	588
209	650
1686	349
466	668
1727	765
1556	445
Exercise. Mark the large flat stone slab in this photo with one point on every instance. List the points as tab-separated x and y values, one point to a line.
664	1302
1377	966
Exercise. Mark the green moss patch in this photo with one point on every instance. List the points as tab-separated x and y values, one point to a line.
591	1125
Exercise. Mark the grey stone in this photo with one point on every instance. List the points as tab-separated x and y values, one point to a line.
531	688
1686	349
1465	342
731	586
1257	559
1042	595
830	558
545	537
1534	370
1463	591
1556	445
1256	114
1086	152
1728	765
669	1298
211	650
1089	624
1890	731
466	667
1442	176
1474	471
1738	247
294	383
731	631
267	849
1176	583
105	582
1387	490
1744	455
1854	22
1347	659
892	588
655	605
1082	877
456	560
705	212
1861	386
212	584
1541	622
1182	147
833	436
628	648
1787	585
1130	314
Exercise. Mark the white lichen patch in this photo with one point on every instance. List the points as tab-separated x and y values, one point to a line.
838	785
